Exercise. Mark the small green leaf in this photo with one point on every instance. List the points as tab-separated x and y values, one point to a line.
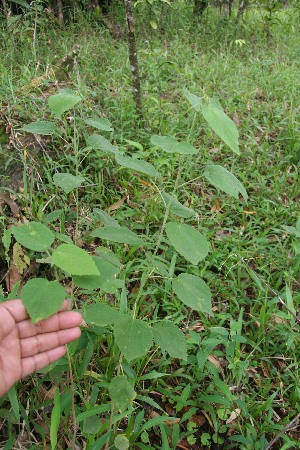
121	442
60	103
101	315
121	235
121	393
42	298
187	241
42	127
105	280
99	123
99	142
169	337
92	425
105	218
34	235
193	292
137	164
222	179
133	337
67	182
74	260
176	207
170	145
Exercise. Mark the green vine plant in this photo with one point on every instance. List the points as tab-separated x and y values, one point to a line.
101	271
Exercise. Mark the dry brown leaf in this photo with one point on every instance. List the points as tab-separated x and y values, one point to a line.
198	419
234	415
5	199
12	277
216	206
215	361
118	204
236	119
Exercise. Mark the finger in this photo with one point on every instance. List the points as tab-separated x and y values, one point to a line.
48	341
18	310
37	362
59	321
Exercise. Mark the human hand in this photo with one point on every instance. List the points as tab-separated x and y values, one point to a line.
26	347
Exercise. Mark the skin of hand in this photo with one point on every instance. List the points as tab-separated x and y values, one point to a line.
26	347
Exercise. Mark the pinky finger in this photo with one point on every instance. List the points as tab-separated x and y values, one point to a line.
41	360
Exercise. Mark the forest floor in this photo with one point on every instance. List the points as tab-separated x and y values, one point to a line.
239	386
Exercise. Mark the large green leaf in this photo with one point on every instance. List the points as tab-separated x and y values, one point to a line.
42	127
106	280
74	260
193	292
187	241
222	125
215	116
170	145
67	182
121	393
62	102
100	314
121	235
176	207
99	142
42	298
222	179
137	165
34	235
169	337
133	337
99	123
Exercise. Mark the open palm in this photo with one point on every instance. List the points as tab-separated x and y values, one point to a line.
26	347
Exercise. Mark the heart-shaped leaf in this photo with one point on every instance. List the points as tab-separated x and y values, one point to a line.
101	124
99	142
121	393
187	241
222	179
170	145
176	207
74	260
169	337
137	165
101	315
42	127
133	337
34	235
42	298
62	102
121	235
106	280
67	182
193	292
215	116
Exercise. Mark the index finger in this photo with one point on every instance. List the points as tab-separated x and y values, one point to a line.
18	310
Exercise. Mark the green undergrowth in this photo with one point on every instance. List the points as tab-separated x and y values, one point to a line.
233	379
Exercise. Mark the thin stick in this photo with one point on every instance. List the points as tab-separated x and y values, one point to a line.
288	427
